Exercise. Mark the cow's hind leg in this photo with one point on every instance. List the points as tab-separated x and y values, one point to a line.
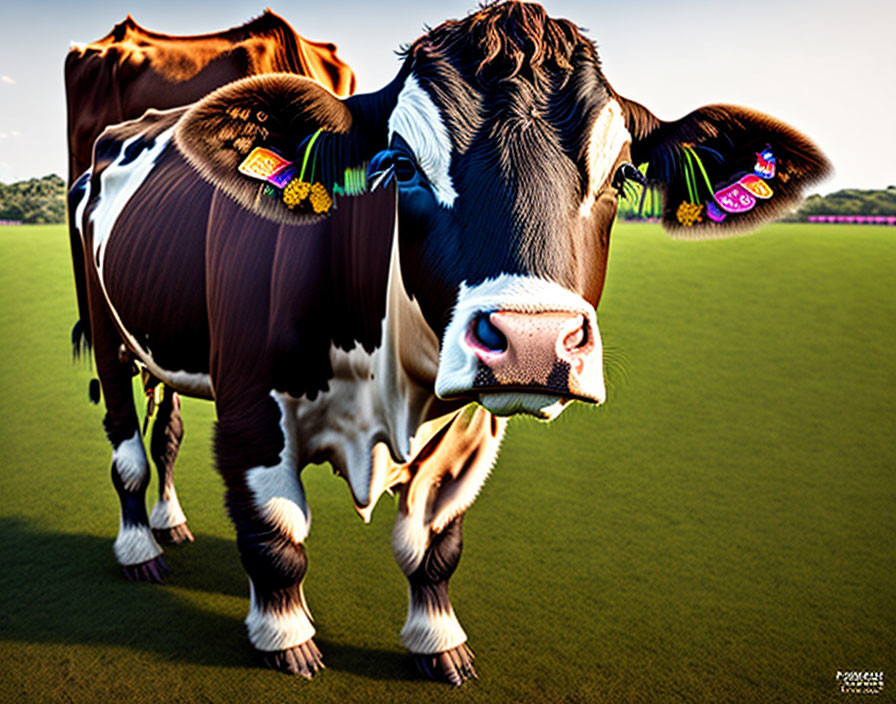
427	539
167	520
135	547
267	505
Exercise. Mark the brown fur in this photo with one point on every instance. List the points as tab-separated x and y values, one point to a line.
506	40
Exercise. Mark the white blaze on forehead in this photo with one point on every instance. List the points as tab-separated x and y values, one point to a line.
608	136
416	118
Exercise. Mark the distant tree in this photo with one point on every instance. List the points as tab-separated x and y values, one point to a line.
37	200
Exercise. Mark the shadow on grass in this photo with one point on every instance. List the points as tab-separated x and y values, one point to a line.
67	589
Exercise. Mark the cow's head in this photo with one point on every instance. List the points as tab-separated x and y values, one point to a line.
508	150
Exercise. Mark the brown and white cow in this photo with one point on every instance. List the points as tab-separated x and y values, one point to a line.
429	263
132	69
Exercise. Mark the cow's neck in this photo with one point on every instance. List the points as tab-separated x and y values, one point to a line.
365	424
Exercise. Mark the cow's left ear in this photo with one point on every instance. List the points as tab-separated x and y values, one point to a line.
722	169
281	145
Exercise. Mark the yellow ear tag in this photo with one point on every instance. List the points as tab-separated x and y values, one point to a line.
262	163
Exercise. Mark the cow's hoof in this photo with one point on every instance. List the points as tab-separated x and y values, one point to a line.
153	572
175	535
304	660
454	666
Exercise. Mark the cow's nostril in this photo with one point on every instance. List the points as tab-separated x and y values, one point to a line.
578	338
487	335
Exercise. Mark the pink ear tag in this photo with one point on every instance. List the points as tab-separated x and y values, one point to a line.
756	186
714	212
765	164
735	199
262	163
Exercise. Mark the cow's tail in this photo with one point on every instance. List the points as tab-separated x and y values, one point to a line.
82	341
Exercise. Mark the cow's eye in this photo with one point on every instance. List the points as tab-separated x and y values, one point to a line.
405	168
391	163
627	172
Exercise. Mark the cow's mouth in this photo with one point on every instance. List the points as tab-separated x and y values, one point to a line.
504	402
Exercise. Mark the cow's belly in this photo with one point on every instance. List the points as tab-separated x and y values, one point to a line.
153	273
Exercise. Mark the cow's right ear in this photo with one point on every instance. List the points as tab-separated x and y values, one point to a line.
722	169
279	144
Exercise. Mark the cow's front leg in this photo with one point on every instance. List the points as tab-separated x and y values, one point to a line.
266	502
445	479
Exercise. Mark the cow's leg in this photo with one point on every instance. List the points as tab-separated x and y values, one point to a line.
267	504
427	538
167	520
135	547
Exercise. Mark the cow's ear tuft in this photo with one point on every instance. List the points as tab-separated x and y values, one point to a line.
722	169
279	144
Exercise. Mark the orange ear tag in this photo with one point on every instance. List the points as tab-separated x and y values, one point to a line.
262	163
756	186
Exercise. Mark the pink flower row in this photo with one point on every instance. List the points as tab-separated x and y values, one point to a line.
858	219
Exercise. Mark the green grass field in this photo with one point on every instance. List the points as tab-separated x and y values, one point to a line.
723	530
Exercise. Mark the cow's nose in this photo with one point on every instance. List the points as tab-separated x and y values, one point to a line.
486	336
551	352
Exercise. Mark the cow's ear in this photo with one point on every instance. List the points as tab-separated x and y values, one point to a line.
279	144
722	169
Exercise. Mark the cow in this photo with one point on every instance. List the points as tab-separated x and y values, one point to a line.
380	282
131	69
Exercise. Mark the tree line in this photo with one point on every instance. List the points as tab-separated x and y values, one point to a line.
35	201
849	201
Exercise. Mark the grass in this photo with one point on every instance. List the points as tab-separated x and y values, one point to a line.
723	530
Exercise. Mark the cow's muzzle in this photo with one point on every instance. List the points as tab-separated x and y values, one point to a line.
524	361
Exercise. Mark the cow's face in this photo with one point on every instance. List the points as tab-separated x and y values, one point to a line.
507	149
506	198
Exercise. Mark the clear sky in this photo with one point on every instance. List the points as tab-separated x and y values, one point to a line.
827	67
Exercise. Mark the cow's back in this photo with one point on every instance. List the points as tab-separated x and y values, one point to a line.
131	69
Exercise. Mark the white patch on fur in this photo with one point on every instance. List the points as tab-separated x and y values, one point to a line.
511	403
608	136
271	630
410	538
118	184
416	118
277	491
428	631
135	545
167	512
371	398
508	292
440	496
130	463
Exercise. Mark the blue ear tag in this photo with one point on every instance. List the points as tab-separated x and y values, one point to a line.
765	164
282	176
